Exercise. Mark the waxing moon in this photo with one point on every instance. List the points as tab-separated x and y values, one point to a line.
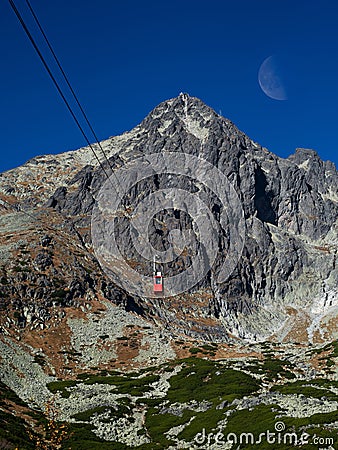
270	79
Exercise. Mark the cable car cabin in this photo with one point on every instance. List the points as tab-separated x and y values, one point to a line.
158	282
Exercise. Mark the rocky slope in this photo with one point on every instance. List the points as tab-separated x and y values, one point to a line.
84	340
193	402
283	283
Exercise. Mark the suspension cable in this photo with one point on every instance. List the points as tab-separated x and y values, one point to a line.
36	48
67	81
18	208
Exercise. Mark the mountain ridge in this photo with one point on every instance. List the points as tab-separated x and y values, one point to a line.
289	205
86	361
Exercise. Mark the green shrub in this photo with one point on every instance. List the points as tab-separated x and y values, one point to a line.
206	380
13	430
194	350
55	386
86	415
301	387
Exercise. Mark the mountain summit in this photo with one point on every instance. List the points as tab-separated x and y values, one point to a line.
283	284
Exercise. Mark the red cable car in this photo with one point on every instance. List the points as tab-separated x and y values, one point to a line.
158	282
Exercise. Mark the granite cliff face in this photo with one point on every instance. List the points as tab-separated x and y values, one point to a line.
284	285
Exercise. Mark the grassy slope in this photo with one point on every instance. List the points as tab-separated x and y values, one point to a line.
199	397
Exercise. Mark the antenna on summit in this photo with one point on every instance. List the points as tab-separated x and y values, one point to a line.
184	95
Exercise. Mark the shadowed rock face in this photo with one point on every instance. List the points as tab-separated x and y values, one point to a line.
286	276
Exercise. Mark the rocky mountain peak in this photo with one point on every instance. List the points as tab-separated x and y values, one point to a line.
285	276
91	357
182	107
189	115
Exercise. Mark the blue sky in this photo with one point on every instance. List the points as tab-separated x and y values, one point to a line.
123	58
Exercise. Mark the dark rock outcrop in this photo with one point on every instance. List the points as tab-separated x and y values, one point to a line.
290	208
